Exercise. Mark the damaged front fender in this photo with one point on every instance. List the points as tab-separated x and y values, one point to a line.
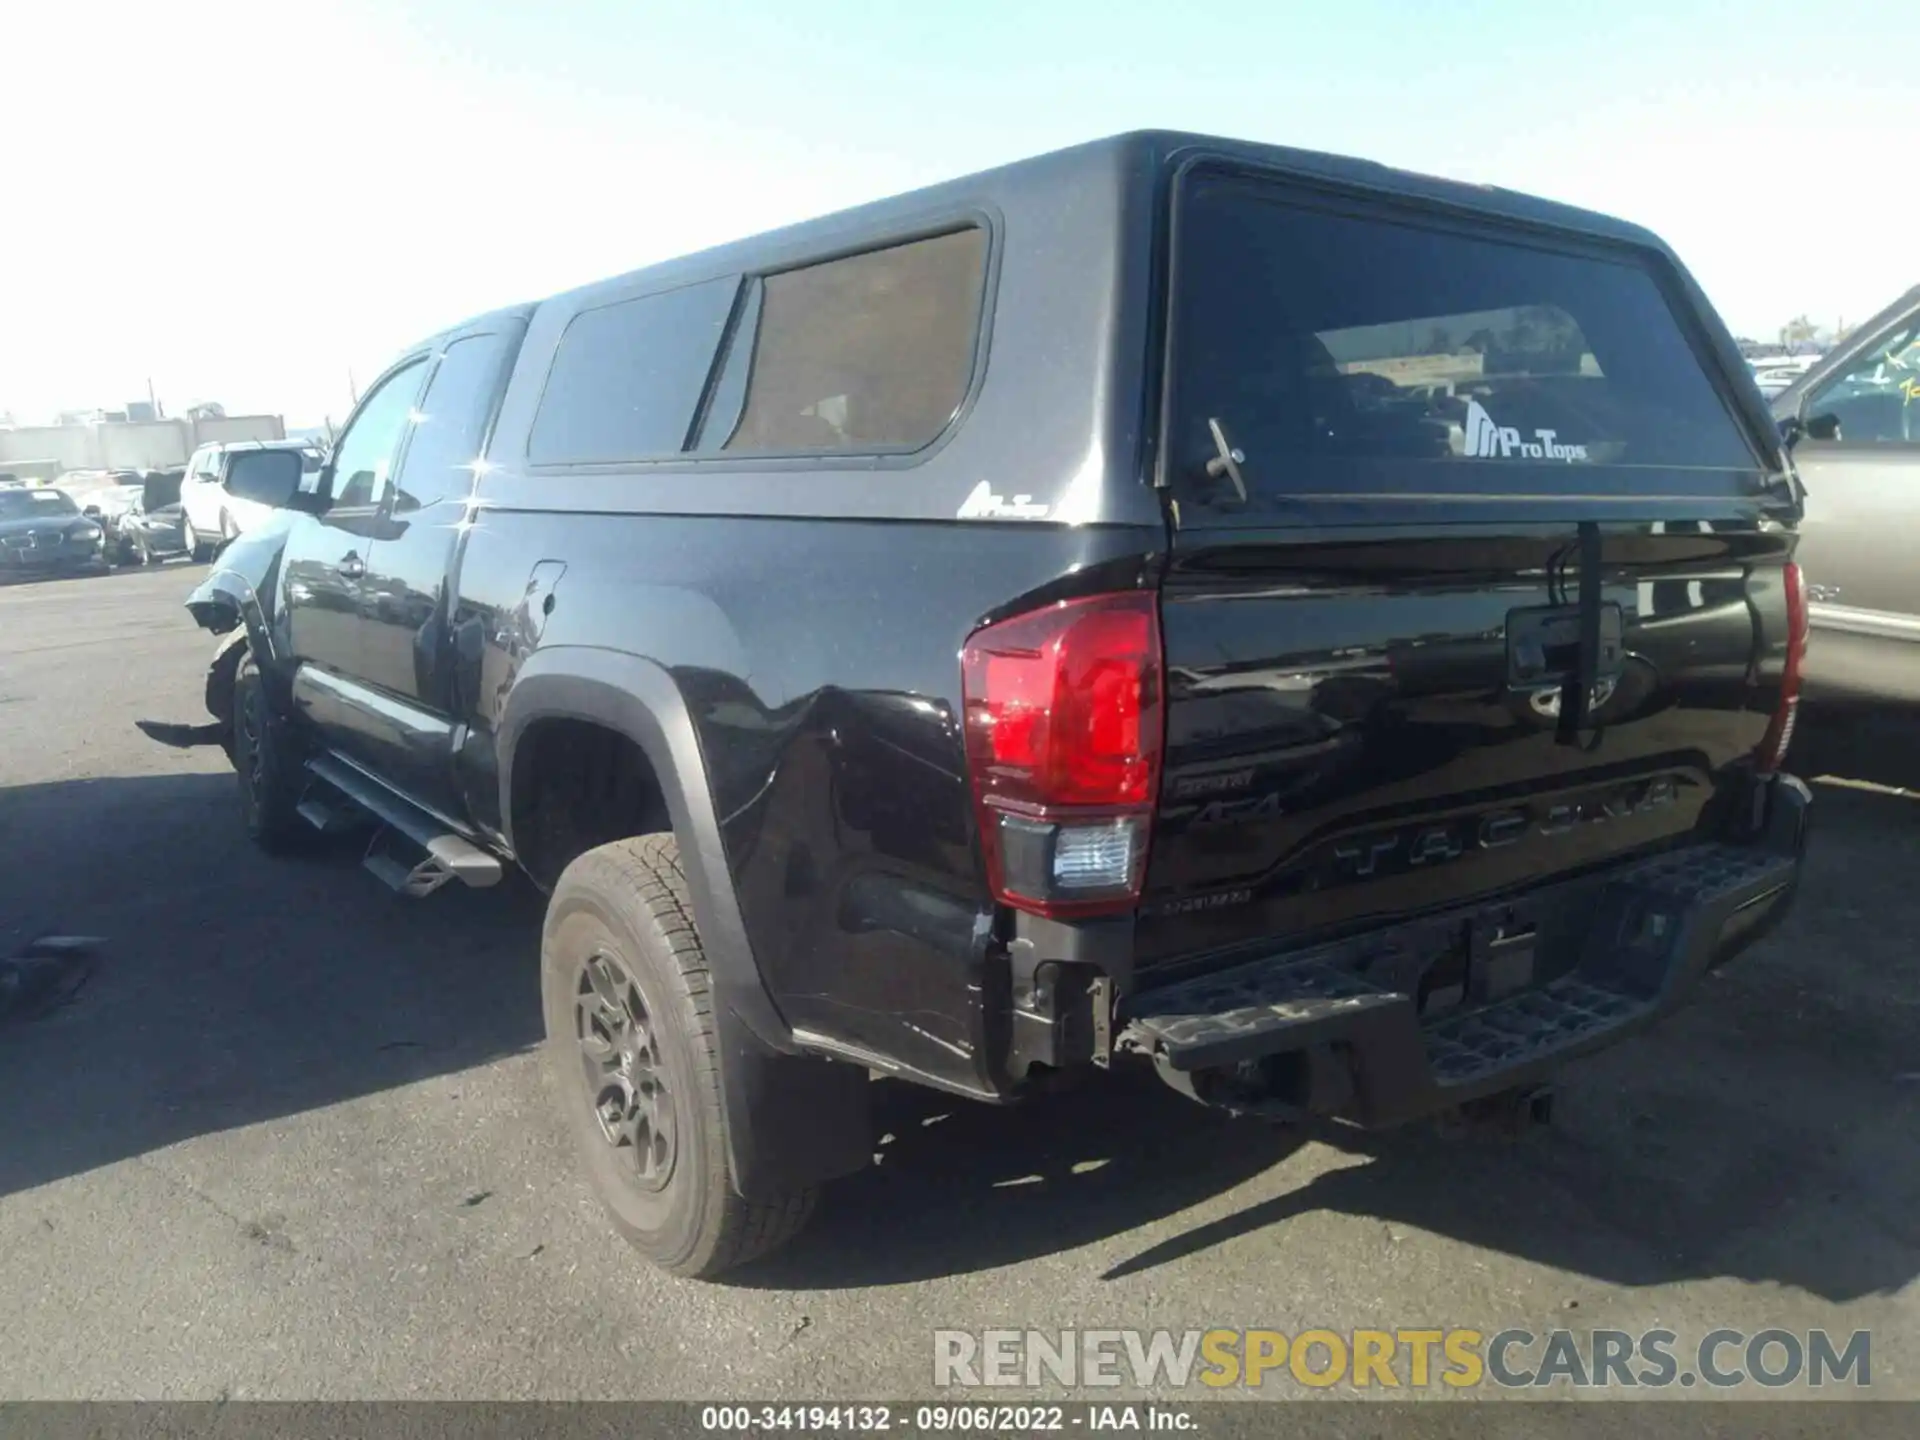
236	601
241	590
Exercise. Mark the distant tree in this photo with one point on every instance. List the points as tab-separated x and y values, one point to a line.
1536	339
1798	331
1522	332
1546	327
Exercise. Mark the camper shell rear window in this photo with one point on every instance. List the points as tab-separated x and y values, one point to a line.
1340	347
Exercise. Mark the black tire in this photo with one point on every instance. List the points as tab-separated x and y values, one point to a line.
190	537
653	1062
271	777
227	532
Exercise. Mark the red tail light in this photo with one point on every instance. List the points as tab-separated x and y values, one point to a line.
1064	720
1772	753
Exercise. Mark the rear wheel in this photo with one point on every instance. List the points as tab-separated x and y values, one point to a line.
271	777
228	530
634	1060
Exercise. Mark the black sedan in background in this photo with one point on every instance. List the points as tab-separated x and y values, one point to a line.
42	532
145	520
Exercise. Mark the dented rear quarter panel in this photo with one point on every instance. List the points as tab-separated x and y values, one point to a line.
818	663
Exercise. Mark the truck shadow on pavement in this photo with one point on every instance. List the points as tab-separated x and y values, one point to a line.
1766	1134
231	988
1858	743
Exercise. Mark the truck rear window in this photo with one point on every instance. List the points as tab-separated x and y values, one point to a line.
1370	348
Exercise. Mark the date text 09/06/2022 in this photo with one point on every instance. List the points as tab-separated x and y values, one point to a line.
921	1419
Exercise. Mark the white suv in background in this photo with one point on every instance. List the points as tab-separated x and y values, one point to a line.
212	515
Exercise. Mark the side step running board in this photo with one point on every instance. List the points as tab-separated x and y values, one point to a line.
402	869
413	854
329	816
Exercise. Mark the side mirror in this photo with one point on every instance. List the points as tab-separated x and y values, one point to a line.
1823	427
267	477
314	494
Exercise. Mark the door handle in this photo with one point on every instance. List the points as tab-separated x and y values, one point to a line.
352	567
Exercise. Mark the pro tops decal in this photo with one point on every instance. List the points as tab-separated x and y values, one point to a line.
1487	440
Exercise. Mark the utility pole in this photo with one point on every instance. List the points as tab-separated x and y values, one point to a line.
353	390
153	400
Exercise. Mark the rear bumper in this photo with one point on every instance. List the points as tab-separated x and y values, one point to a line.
1416	1019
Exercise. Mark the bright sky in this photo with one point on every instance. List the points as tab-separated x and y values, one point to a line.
245	201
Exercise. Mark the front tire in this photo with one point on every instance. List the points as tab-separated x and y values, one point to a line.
271	777
190	537
634	1060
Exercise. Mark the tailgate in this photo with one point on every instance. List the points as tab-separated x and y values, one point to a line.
1362	730
1433	481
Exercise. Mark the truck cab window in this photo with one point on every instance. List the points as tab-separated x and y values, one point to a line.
364	459
447	428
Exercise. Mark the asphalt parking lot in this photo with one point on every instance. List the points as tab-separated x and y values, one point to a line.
292	1140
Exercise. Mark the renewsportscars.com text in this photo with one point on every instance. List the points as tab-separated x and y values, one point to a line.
1410	1359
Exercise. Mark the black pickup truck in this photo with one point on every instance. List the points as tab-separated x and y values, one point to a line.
1323	632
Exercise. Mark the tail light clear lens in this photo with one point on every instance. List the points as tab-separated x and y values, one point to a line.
1064	727
1779	738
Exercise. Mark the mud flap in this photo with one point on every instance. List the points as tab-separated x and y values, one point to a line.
793	1121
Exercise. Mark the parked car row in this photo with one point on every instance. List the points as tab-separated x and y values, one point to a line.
136	517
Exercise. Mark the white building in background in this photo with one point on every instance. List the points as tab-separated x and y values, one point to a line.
130	444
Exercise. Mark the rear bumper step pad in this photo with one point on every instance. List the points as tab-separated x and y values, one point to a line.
1394	1024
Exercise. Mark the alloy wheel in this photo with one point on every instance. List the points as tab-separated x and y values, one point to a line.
624	1070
